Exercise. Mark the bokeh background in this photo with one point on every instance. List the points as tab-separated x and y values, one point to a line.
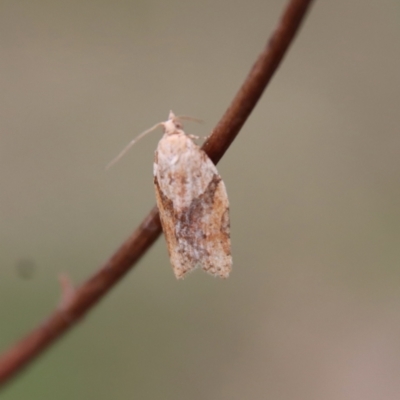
312	308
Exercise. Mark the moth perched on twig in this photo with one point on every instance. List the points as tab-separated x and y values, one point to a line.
192	201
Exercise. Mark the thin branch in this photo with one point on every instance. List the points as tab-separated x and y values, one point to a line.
91	291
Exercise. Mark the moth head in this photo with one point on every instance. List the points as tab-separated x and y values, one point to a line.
176	121
173	124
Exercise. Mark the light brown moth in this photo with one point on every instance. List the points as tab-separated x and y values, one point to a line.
193	203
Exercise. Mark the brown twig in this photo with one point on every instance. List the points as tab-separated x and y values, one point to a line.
91	291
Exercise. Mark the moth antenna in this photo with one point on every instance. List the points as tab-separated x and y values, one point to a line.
123	152
189	118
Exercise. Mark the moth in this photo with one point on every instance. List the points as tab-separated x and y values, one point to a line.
192	201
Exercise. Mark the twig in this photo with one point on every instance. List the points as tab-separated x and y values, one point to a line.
90	292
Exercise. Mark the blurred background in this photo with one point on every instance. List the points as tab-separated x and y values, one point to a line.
312	308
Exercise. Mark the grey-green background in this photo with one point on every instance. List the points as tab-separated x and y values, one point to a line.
312	308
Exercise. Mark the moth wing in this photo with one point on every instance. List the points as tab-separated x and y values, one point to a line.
214	223
194	207
180	263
